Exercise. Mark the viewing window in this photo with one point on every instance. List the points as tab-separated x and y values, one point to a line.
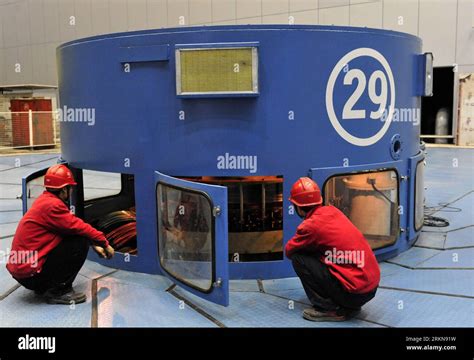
231	70
419	195
370	201
255	216
186	237
109	206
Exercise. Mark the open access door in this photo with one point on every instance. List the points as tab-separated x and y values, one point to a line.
193	236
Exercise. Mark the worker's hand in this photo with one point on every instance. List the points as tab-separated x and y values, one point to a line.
100	251
109	252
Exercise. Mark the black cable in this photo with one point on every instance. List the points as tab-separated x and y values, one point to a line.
441	207
435	221
381	193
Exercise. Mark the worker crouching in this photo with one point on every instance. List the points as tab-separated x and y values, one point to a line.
333	260
54	243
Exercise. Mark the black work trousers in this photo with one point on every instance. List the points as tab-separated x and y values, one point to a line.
61	267
323	289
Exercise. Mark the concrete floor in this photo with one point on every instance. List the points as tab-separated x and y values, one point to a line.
430	285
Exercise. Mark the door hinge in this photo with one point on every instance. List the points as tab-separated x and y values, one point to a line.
216	211
404	177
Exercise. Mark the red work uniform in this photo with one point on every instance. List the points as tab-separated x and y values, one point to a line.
41	229
327	231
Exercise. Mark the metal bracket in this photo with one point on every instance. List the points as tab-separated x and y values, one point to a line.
217	283
216	211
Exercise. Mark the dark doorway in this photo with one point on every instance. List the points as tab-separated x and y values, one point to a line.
440	106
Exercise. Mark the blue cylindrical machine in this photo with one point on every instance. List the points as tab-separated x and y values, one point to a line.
212	125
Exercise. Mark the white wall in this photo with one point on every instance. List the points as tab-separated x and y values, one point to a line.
30	30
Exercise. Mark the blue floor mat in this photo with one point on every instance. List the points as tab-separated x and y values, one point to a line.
25	159
459	258
414	256
128	305
460	238
296	294
440	170
8	230
387	269
10	204
251	309
93	270
408	309
8	190
244	285
6	280
10	217
431	239
457	219
455	282
23	308
281	284
140	279
14	176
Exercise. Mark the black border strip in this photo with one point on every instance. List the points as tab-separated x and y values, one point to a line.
95	302
414	196
196	308
9	292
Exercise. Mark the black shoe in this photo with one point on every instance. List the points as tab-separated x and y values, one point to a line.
68	298
312	314
347	312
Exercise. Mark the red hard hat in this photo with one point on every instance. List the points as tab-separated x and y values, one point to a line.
58	176
305	192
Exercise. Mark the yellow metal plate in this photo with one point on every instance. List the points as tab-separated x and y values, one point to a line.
216	70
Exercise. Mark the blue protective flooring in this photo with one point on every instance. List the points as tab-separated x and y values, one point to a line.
431	284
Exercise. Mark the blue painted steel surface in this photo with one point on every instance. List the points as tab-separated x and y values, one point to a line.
137	116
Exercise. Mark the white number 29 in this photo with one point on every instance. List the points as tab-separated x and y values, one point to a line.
380	99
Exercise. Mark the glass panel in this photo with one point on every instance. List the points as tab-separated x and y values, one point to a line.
229	70
370	201
185	233
34	188
419	195
99	184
